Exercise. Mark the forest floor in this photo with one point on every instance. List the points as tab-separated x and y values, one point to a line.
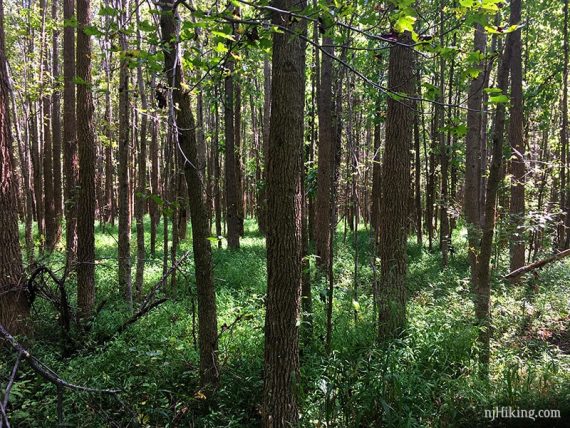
428	378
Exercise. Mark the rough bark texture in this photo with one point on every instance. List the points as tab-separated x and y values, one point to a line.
284	245
56	127
471	205
326	155
376	175
13	302
516	139
232	204
140	196
395	193
70	160
124	251
185	127
87	161
483	290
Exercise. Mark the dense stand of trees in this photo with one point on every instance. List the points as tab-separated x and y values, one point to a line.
211	113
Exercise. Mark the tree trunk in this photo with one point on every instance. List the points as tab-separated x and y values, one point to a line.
56	127
395	192
141	195
70	157
124	251
232	203
518	170
208	333
87	162
284	235
564	135
13	300
471	205
326	155
483	290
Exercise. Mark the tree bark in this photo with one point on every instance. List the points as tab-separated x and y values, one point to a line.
516	139
124	251
70	157
87	162
394	209
232	203
284	225
185	127
326	155
13	300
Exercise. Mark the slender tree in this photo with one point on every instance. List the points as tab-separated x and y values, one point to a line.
70	159
516	139
185	133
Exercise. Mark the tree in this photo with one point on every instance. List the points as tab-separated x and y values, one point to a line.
284	247
124	161
395	191
471	205
70	160
232	189
326	154
516	139
185	133
87	160
13	299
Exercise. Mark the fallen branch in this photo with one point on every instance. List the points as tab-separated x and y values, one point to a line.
43	370
139	314
150	296
536	265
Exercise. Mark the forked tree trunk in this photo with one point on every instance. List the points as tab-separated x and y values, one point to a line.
185	125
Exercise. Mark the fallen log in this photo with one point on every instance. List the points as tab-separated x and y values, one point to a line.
536	265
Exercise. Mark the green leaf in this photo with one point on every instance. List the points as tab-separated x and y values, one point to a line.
405	23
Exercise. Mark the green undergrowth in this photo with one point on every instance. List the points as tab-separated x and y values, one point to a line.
427	378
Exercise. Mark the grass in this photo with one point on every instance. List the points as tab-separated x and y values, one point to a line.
426	379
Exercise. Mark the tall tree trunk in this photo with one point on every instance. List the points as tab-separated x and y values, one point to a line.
47	153
284	235
70	157
13	300
395	192
326	154
376	175
217	191
564	135
238	157
483	290
185	125
141	195
444	238
516	139
265	142
124	158
56	127
232	202
87	162
471	205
